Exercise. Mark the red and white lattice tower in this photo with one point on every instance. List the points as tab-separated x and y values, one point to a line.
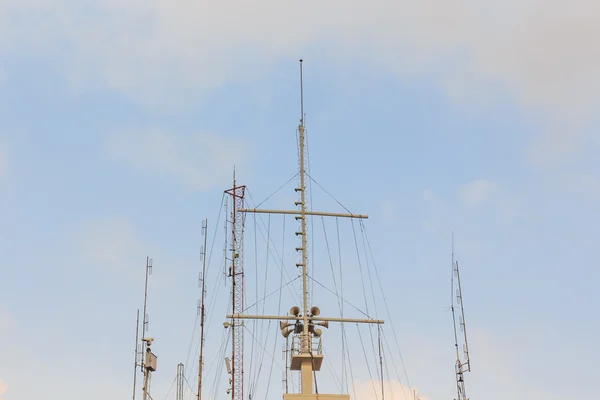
236	272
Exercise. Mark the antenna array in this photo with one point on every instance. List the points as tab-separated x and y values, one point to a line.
144	358
463	362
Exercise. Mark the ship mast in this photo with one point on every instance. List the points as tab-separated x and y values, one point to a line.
461	366
306	352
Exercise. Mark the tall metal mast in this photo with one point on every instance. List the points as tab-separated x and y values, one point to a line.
201	309
136	351
461	366
149	359
236	272
306	352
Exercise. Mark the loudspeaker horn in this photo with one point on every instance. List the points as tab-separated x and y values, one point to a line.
315	311
287	332
324	324
295	311
283	324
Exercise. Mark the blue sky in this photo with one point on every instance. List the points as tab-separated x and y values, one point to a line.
120	123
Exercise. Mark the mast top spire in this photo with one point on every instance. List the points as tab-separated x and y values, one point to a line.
301	96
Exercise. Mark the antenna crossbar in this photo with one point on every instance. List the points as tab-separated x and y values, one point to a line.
306	212
292	318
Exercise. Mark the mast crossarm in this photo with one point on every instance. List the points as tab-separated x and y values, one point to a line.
294	212
292	318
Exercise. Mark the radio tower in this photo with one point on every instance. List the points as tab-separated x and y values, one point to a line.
236	272
463	363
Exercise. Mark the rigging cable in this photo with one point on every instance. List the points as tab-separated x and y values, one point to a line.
220	355
385	341
344	369
170	388
336	291
386	307
280	187
250	383
265	350
372	293
387	372
214	293
330	195
262	322
272	293
343	300
362	281
312	225
279	257
278	312
380	361
367	361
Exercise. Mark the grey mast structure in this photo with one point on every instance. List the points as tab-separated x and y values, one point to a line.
463	363
306	349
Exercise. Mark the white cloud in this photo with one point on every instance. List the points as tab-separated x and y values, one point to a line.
3	388
371	390
199	161
543	53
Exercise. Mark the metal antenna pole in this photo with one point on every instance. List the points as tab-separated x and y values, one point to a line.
305	340
287	363
145	323
202	312
461	366
180	377
148	358
380	361
135	361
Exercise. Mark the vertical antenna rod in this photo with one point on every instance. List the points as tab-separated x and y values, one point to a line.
202	313
305	341
135	362
301	96
145	323
149	359
461	366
